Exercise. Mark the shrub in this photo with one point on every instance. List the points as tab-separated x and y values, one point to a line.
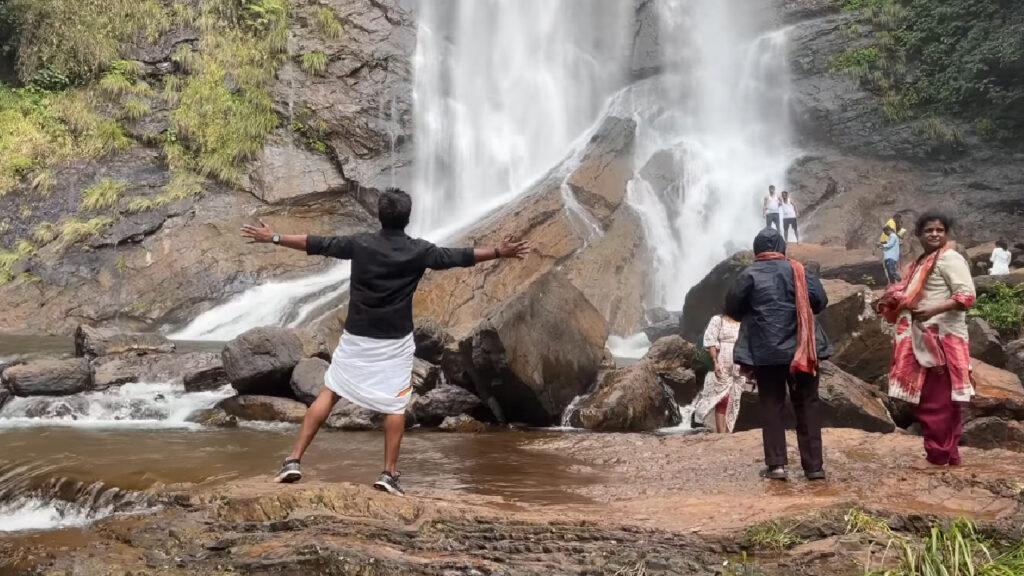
1003	308
44	233
103	194
75	230
314	62
135	108
772	536
9	258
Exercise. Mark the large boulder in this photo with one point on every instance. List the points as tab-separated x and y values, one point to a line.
431	340
672	359
848	306
986	345
998	393
444	401
203	370
48	377
983	284
263	408
846	402
627	400
661	325
5	395
867	351
1015	357
580	224
993	432
537	352
261	360
707	297
425	376
838	263
308	379
349	416
92	342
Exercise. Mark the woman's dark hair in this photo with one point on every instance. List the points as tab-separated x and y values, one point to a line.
931	215
1002	244
393	209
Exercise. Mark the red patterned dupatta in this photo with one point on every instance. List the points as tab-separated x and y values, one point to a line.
940	340
805	358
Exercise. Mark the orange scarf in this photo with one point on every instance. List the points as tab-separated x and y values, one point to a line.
805	357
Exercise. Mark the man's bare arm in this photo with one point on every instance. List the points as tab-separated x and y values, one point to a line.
506	249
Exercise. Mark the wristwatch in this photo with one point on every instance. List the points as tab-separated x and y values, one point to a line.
276	238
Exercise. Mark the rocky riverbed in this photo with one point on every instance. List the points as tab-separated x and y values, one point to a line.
630	505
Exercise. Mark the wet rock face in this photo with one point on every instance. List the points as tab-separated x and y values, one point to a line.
673	359
529	358
92	342
263	408
287	174
261	360
5	395
214	418
1015	358
308	379
628	400
48	377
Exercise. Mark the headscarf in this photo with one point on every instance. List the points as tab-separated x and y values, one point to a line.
770	245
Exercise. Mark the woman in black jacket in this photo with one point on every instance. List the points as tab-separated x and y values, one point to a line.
781	343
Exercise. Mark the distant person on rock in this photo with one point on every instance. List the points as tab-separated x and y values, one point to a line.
891	255
724	385
895	223
372	365
1001	258
775	299
931	354
771	209
788	211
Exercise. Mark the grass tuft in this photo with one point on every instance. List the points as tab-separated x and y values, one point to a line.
772	536
956	550
44	233
103	194
860	522
135	109
74	230
327	23
314	63
10	258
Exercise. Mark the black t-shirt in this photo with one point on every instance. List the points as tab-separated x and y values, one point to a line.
386	268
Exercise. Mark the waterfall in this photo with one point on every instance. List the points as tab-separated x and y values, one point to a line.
716	137
502	90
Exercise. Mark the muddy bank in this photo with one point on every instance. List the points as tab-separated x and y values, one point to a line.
666	505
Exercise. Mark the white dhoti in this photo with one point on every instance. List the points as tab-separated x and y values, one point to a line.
372	373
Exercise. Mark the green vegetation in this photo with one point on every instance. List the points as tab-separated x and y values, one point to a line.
956	550
182	185
44	233
64	42
860	522
958	57
773	536
327	23
1003	308
103	194
314	63
74	230
312	130
9	258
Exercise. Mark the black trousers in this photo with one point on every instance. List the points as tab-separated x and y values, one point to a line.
786	224
772	384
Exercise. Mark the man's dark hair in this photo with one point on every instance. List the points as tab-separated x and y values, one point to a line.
1002	244
393	209
887	229
771	188
930	215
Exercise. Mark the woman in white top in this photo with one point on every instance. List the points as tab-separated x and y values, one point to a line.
788	211
1000	259
771	209
724	385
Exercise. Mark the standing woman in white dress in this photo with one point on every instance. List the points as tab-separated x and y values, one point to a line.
724	385
1000	259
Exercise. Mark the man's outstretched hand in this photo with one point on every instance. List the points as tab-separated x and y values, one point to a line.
258	234
510	249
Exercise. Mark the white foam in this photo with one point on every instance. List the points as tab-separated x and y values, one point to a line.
24	514
630	347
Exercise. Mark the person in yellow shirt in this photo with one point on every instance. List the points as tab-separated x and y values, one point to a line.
896	223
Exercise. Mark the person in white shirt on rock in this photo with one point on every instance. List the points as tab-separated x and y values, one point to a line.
771	209
1000	259
788	212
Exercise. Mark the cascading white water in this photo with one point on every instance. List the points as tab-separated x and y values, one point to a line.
502	90
133	405
714	138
